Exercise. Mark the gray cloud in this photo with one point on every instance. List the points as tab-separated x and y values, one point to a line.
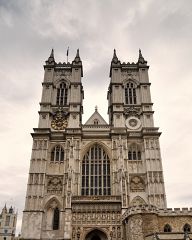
28	31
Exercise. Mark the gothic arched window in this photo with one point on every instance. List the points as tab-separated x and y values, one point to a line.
187	228
62	93
57	154
96	172
134	152
167	228
56	219
130	93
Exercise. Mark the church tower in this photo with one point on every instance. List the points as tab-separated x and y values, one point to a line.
135	140
84	177
8	220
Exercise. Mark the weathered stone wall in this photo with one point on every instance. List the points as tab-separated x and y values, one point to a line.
176	222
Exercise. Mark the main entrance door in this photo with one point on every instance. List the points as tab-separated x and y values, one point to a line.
96	235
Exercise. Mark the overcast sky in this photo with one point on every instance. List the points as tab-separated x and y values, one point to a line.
28	31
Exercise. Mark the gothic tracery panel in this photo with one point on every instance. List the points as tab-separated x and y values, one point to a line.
96	172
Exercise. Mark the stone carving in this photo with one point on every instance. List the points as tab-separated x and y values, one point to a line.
118	232
132	111
137	184
96	213
54	184
135	228
137	201
62	72
59	121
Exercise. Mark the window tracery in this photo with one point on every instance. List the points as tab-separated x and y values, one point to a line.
96	172
62	94
134	152
57	154
130	93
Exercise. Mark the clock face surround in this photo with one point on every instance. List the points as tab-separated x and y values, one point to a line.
59	124
59	121
132	123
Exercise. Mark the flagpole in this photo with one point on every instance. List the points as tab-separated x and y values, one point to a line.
67	53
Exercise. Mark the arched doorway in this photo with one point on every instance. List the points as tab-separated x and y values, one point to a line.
96	235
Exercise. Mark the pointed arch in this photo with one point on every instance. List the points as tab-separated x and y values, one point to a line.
187	228
88	146
52	202
130	92
134	152
52	214
96	233
167	228
96	171
57	154
137	201
62	93
131	79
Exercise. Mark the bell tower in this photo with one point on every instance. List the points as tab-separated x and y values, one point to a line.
62	96
84	177
54	167
134	136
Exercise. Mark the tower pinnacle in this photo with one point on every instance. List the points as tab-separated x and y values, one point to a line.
141	58
77	57
115	58
51	59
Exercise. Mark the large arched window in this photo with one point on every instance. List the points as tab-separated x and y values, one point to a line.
130	93
134	152
57	154
56	219
96	172
62	93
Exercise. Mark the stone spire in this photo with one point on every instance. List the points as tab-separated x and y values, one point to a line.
141	59
11	209
115	58
4	210
51	59
77	58
114	62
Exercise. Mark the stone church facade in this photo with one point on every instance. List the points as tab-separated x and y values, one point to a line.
98	180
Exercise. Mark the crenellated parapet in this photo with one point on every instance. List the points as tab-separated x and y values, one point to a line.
116	63
145	209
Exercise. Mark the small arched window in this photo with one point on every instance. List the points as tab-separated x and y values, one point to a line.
167	228
96	121
130	93
62	93
187	228
134	152
56	219
57	154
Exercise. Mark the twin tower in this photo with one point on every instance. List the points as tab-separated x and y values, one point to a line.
84	179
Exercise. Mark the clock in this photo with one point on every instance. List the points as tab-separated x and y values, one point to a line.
59	124
59	121
133	123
